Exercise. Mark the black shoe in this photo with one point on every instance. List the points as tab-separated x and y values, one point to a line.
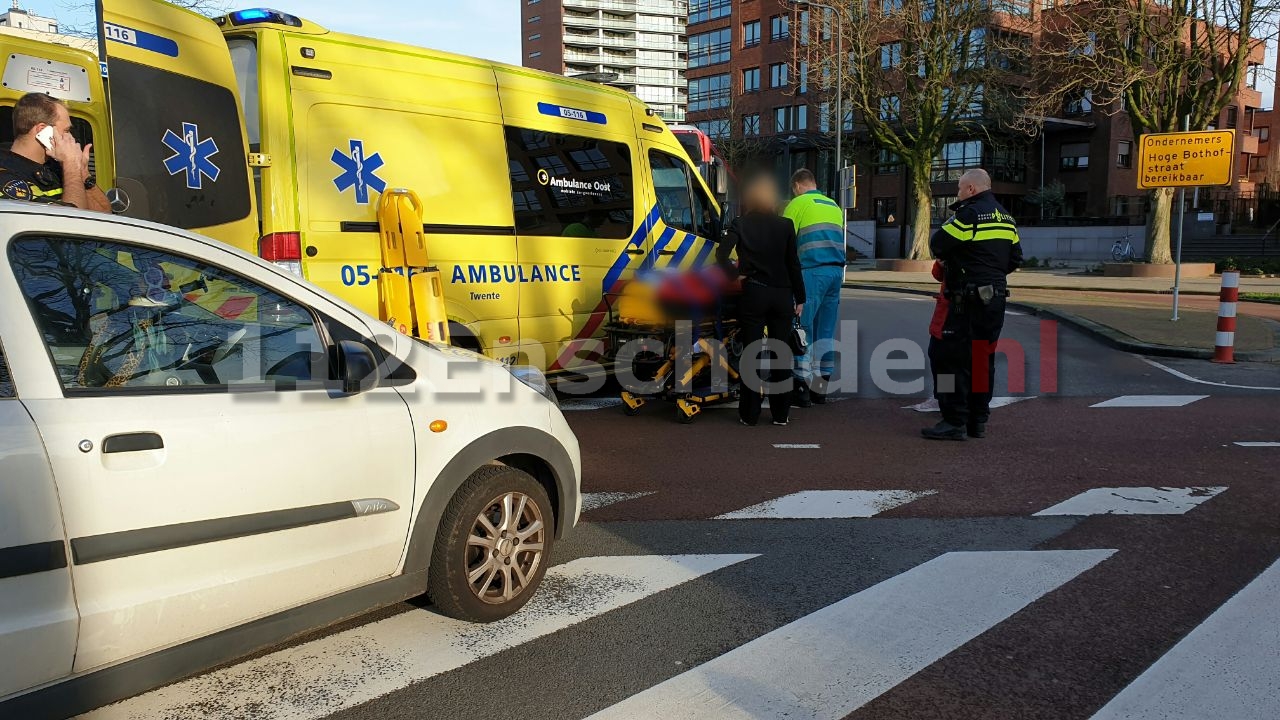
978	430
781	423
744	422
943	431
818	393
800	397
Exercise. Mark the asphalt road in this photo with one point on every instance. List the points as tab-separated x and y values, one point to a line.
1082	561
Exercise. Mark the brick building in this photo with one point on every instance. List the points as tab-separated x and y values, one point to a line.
750	93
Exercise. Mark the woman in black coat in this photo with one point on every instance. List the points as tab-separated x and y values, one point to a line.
772	294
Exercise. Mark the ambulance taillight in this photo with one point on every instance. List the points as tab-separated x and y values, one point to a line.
284	250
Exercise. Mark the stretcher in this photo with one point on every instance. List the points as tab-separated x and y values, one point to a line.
676	345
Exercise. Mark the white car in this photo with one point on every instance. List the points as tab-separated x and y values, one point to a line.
202	455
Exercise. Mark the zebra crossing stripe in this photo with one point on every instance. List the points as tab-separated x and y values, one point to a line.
1225	668
829	663
815	504
315	679
1134	501
1149	401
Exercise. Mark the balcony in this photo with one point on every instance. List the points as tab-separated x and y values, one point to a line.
626	6
582	40
571	56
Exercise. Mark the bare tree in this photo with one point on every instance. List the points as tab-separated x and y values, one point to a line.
1162	62
209	8
917	74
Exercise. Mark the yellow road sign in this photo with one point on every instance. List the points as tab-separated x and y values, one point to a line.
1186	159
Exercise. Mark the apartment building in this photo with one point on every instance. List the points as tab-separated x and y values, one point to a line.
748	90
637	45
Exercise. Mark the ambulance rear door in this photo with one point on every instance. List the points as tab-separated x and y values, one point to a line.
179	138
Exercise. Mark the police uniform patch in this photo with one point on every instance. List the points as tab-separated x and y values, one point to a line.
16	190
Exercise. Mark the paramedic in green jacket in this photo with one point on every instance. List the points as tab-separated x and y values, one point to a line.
820	241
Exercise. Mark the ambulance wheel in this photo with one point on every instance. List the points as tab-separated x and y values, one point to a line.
493	545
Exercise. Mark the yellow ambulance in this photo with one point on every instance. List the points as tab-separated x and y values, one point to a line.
538	194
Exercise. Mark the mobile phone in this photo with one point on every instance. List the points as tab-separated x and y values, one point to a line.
45	137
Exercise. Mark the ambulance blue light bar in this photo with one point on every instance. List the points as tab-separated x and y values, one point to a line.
263	15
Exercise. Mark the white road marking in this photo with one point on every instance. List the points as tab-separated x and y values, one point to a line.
931	405
813	504
1134	501
580	404
797	446
1150	401
597	500
1225	668
346	669
1258	444
1188	378
832	662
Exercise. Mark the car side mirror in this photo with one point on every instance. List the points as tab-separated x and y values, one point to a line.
719	178
357	367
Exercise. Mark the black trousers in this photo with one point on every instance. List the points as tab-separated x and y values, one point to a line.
969	336
764	308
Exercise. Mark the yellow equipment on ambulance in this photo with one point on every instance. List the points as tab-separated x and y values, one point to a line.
520	197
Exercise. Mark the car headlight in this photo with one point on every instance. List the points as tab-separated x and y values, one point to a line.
533	377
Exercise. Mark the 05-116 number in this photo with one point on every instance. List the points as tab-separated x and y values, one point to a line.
359	275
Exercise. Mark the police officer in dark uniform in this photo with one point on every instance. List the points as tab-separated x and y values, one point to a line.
978	248
45	163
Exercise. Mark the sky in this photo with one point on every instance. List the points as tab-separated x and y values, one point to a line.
482	28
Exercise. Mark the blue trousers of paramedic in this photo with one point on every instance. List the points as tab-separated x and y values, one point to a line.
820	317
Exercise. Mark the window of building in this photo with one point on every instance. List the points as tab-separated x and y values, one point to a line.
804	77
1008	163
125	316
804	27
709	48
848	121
1080	104
890	55
1263	133
779	28
801	117
709	93
751	125
778	75
955	158
533	2
704	10
535	54
889	7
535	36
781	119
1074	156
940	208
886	209
535	18
1124	154
971	49
545	207
890	108
751	34
887	162
826	24
751	80
971	98
683	204
1020	8
824	117
1257	163
715	129
1233	116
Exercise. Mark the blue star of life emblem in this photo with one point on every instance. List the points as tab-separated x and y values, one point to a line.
191	155
358	171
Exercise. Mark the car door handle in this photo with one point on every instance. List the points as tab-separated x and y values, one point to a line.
666	252
132	442
635	251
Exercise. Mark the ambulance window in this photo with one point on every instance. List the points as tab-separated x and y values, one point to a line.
569	185
81	130
244	59
681	200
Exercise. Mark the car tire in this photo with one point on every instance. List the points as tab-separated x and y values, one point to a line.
481	567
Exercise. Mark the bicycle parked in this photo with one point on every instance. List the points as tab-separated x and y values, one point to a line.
1122	249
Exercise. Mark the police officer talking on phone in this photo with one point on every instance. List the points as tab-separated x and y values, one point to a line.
46	163
978	248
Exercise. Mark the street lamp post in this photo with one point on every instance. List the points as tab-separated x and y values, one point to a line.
839	80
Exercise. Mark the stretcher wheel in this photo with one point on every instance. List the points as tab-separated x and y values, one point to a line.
686	411
630	411
631	404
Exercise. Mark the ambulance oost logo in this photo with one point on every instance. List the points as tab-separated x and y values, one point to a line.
544	177
358	171
191	156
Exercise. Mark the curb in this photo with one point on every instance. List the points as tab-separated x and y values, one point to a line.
1108	335
1139	291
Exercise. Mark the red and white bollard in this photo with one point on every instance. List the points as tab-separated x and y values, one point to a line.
1224	350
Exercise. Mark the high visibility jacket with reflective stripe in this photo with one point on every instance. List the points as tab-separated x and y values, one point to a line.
819	225
980	242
